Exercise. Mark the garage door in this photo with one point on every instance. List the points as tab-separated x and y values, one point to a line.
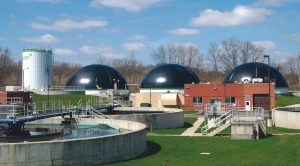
261	100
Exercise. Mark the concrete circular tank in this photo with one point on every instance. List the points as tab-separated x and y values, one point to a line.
99	77
153	118
287	117
257	72
169	76
82	151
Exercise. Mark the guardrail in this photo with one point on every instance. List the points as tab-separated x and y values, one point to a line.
20	113
257	113
11	100
66	88
217	109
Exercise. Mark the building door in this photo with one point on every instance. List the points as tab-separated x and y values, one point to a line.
216	104
261	100
247	106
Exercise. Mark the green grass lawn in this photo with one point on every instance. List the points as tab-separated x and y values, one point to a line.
191	111
185	151
188	122
279	130
282	101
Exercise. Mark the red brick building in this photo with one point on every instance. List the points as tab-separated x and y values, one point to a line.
242	95
4	96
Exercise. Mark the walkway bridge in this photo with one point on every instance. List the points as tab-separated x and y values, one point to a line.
20	113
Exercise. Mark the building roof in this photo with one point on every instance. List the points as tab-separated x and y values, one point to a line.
255	72
97	77
169	76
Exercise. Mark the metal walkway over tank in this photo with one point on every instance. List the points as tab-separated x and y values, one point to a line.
20	113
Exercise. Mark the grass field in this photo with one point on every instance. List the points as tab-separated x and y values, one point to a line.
190	111
188	122
185	151
282	101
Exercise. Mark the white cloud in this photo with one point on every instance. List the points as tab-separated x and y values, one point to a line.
134	46
187	44
47	38
238	16
129	5
44	1
100	50
183	31
274	2
65	52
137	38
295	37
268	45
111	30
67	24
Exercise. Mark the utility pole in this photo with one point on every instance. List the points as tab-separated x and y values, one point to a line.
269	84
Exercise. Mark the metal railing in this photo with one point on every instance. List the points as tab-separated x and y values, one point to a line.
217	109
217	121
239	114
224	112
11	100
66	88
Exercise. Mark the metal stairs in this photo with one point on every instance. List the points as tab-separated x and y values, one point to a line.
215	126
219	129
97	113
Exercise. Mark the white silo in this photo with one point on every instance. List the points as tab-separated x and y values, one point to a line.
37	69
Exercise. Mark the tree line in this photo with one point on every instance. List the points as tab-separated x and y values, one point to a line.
219	60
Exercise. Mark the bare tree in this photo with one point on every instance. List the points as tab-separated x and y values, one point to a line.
186	55
230	52
62	71
131	69
293	69
7	68
213	56
250	53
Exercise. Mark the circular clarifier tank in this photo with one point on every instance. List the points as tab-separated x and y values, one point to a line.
92	141
97	77
256	72
287	117
169	76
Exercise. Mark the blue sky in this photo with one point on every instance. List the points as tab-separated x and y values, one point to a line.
80	31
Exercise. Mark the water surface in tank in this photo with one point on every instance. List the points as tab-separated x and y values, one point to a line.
50	132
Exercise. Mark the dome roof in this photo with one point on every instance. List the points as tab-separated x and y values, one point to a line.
97	77
255	72
169	76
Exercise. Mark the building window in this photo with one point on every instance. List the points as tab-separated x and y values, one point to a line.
197	101
230	100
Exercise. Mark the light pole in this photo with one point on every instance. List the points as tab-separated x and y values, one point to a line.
150	98
269	82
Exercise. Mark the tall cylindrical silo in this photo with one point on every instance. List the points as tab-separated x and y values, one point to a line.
37	69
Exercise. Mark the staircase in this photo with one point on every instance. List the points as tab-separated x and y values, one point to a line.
219	129
262	128
97	113
220	123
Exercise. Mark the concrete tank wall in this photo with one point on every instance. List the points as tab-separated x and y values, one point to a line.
170	118
85	151
288	117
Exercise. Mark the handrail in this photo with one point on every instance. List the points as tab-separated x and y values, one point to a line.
217	121
262	126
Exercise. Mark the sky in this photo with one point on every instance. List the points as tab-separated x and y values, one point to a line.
81	31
